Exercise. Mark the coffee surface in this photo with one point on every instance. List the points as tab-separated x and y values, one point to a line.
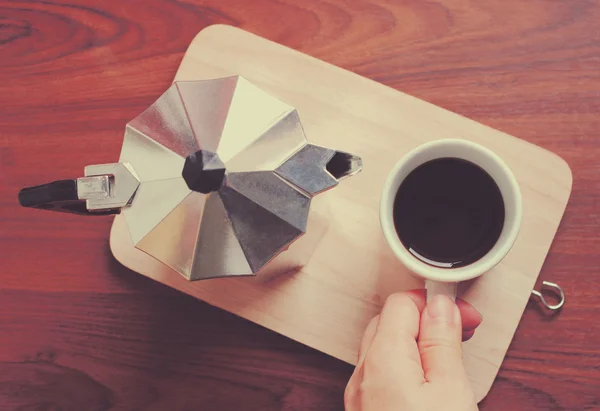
449	212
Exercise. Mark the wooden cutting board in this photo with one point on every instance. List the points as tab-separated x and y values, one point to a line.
328	304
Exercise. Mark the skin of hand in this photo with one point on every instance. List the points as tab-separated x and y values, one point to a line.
410	358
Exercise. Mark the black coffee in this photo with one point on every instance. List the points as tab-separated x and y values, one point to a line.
448	212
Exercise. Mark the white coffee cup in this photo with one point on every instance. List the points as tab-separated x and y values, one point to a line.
444	280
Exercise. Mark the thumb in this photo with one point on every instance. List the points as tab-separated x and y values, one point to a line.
440	335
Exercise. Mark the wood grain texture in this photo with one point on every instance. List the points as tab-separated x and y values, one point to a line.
80	332
329	302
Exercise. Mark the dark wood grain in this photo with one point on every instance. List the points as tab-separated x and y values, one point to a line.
79	332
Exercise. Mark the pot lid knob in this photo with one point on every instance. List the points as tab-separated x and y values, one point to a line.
203	171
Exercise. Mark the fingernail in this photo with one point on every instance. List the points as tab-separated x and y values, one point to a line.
480	316
474	327
467	335
467	329
442	308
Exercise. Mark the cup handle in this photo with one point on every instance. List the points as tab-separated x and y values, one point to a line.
435	287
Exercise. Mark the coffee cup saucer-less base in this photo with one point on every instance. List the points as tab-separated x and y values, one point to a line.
329	303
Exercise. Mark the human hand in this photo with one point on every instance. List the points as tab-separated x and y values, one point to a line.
410	358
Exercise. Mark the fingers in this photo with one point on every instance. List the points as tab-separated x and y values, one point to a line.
398	326
367	340
471	319
419	297
363	350
388	349
399	318
467	335
407	346
440	339
394	348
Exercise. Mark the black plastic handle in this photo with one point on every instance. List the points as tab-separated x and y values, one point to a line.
58	196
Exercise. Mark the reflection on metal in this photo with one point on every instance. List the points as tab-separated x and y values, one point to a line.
166	121
206	103
153	202
173	239
120	192
274	194
251	114
261	233
280	141
150	160
306	169
96	187
547	285
316	169
215	178
218	251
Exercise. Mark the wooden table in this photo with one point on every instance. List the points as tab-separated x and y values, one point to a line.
80	332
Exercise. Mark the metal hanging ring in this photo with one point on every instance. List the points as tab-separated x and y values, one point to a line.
547	285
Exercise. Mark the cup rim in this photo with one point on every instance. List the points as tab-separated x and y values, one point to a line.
427	271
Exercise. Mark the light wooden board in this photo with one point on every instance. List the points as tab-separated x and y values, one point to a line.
328	304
